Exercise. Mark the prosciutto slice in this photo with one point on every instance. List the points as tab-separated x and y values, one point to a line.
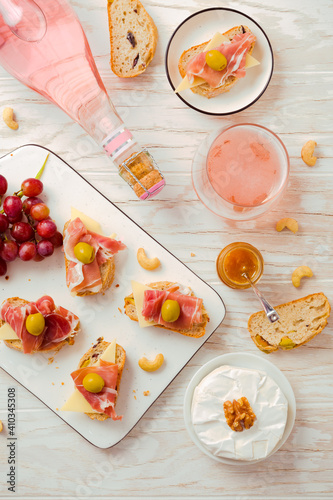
87	277
235	52
59	323
104	401
190	308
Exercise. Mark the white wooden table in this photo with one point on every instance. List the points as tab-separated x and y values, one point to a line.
157	459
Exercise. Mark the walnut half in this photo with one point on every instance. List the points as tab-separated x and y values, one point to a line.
239	414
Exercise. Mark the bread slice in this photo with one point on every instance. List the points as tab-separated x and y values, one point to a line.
300	321
133	37
107	271
196	331
205	89
17	344
92	355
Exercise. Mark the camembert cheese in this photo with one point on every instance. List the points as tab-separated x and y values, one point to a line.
217	39
76	402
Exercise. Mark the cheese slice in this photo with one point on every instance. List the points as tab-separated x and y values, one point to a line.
77	402
138	293
217	39
90	223
7	333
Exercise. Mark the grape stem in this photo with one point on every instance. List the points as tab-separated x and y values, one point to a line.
38	176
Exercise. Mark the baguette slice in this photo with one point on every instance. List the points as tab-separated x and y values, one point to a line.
133	37
92	355
17	344
196	331
205	89
300	321
107	271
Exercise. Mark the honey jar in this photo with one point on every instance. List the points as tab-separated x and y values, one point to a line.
238	260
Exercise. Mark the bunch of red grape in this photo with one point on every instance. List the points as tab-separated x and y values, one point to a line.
26	229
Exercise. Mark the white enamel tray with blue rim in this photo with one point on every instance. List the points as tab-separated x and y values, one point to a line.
99	315
241	360
200	27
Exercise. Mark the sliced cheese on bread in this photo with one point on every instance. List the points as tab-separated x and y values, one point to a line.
77	402
138	294
7	333
217	39
90	223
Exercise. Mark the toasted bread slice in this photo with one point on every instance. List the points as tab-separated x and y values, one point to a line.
17	344
300	321
196	331
133	37
92	355
107	271
205	89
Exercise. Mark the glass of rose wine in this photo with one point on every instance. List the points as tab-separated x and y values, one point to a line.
240	172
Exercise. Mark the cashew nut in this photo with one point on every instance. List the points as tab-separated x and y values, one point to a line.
151	366
300	273
307	153
148	264
291	224
8	118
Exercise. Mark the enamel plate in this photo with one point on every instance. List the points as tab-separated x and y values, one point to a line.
99	315
201	27
241	360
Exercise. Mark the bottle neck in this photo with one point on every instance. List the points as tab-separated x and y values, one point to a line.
119	145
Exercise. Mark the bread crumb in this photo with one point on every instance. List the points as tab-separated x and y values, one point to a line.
1	426
57	409
117	285
52	383
57	367
50	360
62	383
134	397
146	393
192	254
133	390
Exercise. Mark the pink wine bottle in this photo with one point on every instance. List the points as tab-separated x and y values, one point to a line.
44	46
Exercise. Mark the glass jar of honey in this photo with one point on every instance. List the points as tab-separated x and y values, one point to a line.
237	260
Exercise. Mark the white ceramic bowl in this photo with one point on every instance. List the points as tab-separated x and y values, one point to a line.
201	27
242	360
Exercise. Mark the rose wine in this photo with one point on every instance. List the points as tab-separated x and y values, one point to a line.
246	165
45	48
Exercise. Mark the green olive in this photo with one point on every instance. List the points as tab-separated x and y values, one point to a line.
35	324
170	311
216	60
93	382
84	252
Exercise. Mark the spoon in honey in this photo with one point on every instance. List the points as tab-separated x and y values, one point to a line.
271	313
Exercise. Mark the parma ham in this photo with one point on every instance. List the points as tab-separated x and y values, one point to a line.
87	277
235	52
104	401
190	308
59	323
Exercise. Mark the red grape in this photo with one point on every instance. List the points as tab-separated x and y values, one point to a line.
38	258
56	240
32	187
22	231
12	206
40	211
27	250
29	202
4	223
45	248
18	218
3	267
9	251
3	185
46	228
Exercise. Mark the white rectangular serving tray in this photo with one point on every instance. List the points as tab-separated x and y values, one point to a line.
99	315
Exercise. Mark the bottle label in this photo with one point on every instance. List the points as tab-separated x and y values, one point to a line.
117	142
